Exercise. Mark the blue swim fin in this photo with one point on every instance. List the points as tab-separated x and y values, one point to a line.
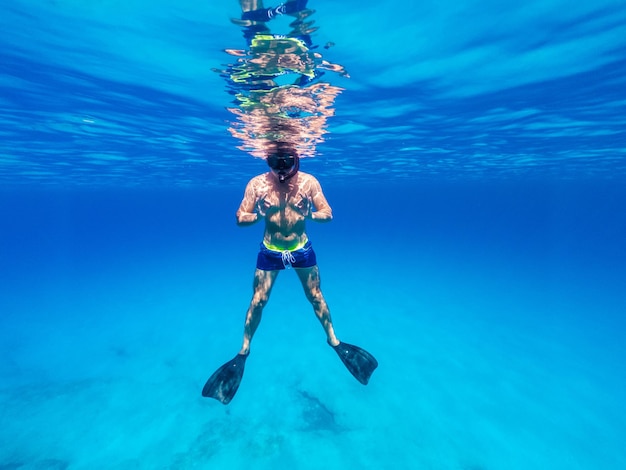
358	361
224	382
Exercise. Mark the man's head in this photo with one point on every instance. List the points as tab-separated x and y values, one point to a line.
284	162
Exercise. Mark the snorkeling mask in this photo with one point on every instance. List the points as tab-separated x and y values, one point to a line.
284	165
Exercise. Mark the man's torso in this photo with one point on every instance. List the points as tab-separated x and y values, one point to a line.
285	221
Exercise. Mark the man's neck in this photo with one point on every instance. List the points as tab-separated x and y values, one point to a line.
285	186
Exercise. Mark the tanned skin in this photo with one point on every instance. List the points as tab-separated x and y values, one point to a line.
284	207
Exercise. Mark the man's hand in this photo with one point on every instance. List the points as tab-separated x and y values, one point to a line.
262	206
304	206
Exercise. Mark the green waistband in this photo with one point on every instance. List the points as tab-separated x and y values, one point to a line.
295	247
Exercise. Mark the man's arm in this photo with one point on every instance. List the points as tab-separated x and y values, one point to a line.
323	212
247	213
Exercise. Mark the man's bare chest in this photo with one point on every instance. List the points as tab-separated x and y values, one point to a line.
284	201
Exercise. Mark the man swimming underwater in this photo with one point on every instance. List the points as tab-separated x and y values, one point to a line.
285	198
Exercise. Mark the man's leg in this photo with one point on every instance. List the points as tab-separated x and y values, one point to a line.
310	279
263	282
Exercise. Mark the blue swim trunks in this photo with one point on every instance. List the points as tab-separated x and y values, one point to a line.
271	260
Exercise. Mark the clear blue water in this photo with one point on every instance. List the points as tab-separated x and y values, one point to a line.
476	168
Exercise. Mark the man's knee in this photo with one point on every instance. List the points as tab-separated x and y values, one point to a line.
263	282
315	296
260	299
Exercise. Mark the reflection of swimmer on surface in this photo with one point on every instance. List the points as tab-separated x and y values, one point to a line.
272	55
302	103
284	198
254	18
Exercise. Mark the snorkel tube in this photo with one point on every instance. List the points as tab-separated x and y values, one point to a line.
285	163
294	169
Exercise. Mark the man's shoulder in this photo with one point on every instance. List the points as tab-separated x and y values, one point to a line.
307	177
262	178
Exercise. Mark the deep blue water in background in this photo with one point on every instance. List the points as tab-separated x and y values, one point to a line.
495	310
476	169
